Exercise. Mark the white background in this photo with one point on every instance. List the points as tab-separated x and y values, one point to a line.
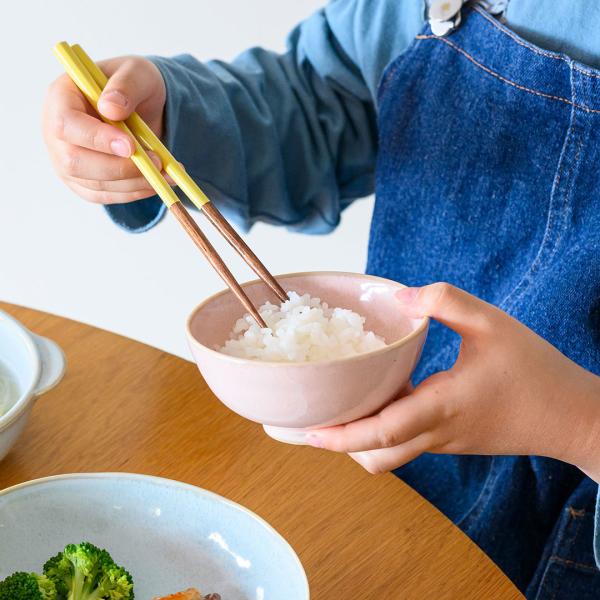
60	254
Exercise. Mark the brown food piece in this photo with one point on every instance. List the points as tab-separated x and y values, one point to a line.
189	594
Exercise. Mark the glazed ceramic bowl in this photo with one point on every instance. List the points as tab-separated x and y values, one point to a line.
289	398
36	364
169	535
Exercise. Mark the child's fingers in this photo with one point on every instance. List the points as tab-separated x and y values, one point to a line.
134	184
398	422
131	82
63	95
80	129
81	163
99	197
387	459
68	118
455	308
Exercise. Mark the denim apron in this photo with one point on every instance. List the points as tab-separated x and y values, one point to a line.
489	178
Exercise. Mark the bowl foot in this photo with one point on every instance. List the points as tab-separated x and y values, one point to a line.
288	435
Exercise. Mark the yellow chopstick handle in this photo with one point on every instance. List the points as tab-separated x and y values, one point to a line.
148	138
91	90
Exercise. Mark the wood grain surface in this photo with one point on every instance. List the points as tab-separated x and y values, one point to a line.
124	406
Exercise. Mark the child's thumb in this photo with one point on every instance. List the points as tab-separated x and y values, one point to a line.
450	305
127	87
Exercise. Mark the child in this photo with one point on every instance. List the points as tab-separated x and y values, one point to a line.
483	150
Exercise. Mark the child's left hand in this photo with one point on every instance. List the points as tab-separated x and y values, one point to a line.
509	392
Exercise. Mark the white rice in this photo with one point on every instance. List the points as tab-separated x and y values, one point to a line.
301	329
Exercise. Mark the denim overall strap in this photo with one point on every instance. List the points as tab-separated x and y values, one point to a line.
488	177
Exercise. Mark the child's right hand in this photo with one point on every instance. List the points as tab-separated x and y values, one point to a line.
90	156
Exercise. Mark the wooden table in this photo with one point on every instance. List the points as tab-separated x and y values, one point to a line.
124	406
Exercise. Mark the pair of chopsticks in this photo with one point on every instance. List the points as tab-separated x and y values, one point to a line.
90	79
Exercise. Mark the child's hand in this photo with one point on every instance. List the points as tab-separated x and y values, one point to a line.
89	155
509	392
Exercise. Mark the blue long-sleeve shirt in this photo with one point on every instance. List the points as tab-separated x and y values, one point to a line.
291	138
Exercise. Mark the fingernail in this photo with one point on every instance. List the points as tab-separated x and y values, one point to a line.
115	97
407	295
314	440
120	148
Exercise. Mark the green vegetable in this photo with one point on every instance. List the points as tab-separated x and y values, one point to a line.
27	586
85	572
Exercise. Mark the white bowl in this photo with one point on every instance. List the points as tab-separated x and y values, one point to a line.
36	364
169	535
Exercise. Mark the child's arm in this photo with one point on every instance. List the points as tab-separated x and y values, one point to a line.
271	139
509	392
287	138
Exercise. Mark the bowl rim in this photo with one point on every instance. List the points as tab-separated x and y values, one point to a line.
27	396
247	361
172	483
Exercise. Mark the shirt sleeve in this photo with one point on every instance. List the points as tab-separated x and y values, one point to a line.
288	138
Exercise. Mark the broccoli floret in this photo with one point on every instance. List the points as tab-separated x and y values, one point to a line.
27	586
85	572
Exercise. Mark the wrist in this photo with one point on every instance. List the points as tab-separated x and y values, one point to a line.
583	449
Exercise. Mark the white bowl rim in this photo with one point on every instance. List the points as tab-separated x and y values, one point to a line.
166	482
27	396
247	361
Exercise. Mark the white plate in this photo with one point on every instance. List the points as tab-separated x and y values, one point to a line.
167	534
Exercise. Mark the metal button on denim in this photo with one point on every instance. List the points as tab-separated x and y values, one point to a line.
444	16
444	10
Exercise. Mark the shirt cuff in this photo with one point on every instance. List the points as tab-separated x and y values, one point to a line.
137	216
